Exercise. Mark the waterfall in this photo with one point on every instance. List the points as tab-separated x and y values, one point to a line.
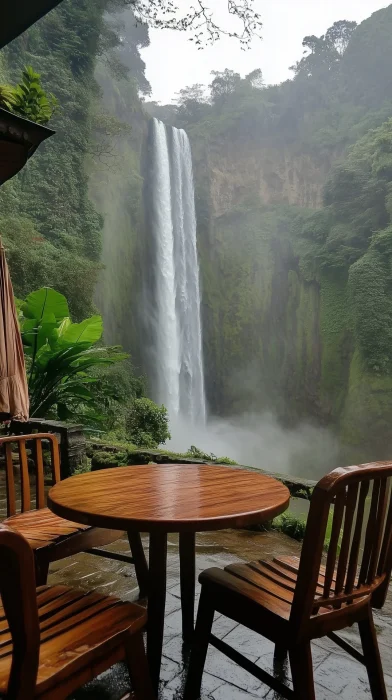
177	328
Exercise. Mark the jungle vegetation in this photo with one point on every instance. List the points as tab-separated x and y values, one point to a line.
325	273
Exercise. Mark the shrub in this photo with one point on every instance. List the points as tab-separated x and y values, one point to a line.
196	453
147	424
290	525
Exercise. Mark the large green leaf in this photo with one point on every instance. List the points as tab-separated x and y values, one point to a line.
58	332
29	331
44	303
86	333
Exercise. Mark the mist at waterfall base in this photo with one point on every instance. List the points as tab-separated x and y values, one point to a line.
260	441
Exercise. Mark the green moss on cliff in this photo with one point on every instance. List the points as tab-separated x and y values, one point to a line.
367	414
336	343
260	317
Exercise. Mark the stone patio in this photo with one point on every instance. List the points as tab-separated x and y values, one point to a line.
336	674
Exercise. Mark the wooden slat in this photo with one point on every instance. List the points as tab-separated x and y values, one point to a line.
339	598
40	488
354	553
334	541
352	494
377	537
10	481
386	544
24	475
55	459
370	533
256	578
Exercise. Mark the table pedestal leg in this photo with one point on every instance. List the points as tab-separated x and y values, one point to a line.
156	603
187	581
140	563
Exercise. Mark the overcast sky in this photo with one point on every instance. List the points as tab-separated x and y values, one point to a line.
173	62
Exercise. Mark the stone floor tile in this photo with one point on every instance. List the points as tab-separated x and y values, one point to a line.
223	625
318	655
210	683
224	692
169	669
220	666
388	683
343	676
172	604
249	643
173	623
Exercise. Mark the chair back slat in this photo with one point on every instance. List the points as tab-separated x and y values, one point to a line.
29	450
370	533
55	459
355	545
383	497
351	502
334	542
359	559
9	481
40	482
385	548
24	476
18	596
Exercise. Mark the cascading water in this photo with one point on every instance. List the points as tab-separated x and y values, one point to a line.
177	333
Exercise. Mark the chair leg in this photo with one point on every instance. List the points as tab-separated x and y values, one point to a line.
372	658
139	557
138	668
280	653
187	583
302	672
41	572
205	618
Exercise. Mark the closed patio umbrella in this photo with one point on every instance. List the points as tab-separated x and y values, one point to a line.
14	395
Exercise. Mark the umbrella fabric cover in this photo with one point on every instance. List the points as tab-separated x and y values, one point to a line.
14	394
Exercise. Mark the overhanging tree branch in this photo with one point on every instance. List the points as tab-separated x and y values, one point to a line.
198	19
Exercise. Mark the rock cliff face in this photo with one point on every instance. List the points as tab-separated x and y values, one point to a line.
275	340
274	174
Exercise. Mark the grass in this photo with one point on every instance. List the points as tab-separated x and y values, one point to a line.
193	452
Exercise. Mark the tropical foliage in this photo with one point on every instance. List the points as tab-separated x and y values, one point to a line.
28	98
60	355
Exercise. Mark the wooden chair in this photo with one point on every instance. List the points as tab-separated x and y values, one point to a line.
293	607
51	537
54	639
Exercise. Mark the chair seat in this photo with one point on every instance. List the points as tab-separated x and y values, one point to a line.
42	527
268	584
76	628
256	582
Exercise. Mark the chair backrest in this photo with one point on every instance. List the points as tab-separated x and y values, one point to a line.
359	559
21	443
18	596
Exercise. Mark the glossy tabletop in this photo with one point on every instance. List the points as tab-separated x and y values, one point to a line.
170	498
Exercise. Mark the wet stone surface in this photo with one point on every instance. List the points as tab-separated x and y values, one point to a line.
336	674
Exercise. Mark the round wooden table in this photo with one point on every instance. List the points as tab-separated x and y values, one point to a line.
169	498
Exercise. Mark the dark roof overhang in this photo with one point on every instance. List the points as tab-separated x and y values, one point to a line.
18	15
